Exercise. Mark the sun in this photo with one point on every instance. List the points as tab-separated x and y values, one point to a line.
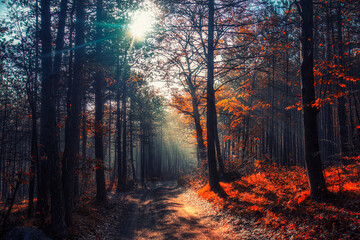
141	24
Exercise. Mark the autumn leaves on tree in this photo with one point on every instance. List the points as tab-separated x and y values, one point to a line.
257	72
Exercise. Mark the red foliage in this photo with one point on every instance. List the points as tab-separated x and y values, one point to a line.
279	199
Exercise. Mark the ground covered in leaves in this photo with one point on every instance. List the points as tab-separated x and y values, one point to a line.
99	221
271	203
278	199
162	211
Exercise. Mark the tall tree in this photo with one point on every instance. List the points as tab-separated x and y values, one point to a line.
312	151
33	101
118	126
210	99
124	140
73	132
343	113
122	167
49	152
99	109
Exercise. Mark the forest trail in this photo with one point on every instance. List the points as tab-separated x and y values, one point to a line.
164	212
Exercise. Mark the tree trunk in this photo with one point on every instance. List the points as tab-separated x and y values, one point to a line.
85	179
211	111
34	131
131	116
124	141
118	130
142	152
219	156
199	131
59	41
48	139
99	112
34	155
3	145
110	134
123	165
343	114
312	152
73	142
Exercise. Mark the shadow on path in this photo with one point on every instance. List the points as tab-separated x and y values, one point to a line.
160	213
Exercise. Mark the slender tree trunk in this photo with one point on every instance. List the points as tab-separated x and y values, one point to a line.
48	139
2	146
73	141
142	152
124	141
118	130
34	155
85	178
343	113
59	41
110	134
68	173
312	152
199	131
211	111
150	159
328	110
123	157
131	115
34	130
99	111
219	156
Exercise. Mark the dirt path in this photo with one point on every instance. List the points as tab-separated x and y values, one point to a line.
166	211
163	212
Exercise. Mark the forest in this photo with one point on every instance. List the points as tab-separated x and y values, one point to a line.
187	119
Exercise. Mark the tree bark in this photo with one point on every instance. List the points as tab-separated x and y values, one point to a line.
211	111
131	116
312	152
122	167
343	114
99	111
142	152
59	41
124	141
73	142
85	179
34	155
48	139
118	129
199	131
219	156
34	131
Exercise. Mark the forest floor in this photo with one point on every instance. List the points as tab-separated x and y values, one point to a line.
271	203
278	200
164	211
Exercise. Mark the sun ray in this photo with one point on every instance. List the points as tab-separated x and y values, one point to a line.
142	23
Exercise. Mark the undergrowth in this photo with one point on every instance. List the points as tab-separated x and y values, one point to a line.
279	199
